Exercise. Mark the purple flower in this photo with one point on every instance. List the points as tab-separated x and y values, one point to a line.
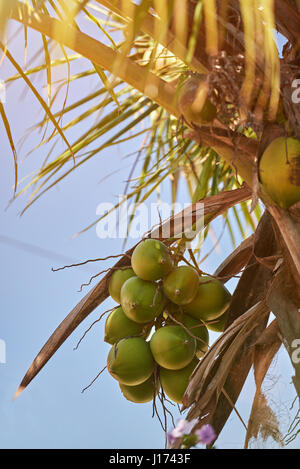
184	427
172	440
206	434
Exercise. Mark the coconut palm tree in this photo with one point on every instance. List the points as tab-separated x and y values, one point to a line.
208	80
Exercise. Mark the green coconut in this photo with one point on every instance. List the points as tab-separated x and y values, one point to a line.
130	361
117	280
141	301
193	102
211	300
151	260
141	393
172	347
181	285
118	326
198	329
174	382
279	171
218	325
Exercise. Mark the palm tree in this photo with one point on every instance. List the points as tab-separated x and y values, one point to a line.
148	56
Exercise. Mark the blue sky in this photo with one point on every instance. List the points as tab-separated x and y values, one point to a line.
52	412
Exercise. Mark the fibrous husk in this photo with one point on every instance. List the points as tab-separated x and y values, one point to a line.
264	423
262	420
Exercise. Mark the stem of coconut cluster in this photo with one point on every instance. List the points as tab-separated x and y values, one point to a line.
188	331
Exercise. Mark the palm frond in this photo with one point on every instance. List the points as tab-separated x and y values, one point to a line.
151	47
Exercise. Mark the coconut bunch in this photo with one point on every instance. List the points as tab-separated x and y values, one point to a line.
159	331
